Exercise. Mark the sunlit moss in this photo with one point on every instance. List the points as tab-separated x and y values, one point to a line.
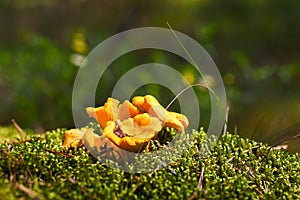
234	168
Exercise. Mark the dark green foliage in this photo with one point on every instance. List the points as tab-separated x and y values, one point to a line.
254	43
36	80
234	168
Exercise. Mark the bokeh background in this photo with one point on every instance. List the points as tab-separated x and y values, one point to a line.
254	43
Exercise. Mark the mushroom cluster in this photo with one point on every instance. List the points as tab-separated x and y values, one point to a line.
128	125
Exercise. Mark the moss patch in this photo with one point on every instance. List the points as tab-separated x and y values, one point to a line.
234	168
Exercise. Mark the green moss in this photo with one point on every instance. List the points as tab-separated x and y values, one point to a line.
235	168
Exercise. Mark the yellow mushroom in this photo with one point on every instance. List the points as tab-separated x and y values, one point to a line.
101	145
126	142
127	110
111	111
127	125
150	105
182	118
105	113
141	126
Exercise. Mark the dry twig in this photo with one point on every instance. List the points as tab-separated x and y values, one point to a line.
19	129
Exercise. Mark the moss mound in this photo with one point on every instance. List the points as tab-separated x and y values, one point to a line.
235	168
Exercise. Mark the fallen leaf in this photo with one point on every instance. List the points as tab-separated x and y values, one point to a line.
72	138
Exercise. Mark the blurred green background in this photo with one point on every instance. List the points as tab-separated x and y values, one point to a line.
254	43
